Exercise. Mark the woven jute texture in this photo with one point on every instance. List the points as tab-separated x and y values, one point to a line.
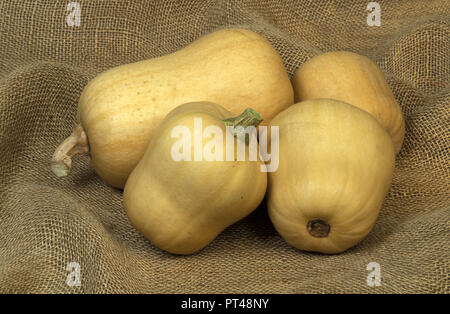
47	223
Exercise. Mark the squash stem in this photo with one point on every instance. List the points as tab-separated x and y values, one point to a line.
318	228
246	119
76	143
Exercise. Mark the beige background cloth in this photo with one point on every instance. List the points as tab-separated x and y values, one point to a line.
46	222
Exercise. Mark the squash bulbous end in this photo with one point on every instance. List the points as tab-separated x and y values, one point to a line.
318	228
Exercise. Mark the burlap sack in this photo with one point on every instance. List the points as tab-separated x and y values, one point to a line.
47	223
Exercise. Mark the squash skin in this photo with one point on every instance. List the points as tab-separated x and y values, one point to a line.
182	206
336	164
121	108
354	79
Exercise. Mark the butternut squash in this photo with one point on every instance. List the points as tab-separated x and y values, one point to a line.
335	168
353	79
181	205
120	109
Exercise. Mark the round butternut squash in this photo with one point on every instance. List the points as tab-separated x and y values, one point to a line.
354	79
181	205
120	109
335	168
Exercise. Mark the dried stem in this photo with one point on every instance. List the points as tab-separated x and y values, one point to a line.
76	143
246	119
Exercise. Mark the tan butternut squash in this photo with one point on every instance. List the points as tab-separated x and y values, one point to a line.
354	79
335	168
181	205
120	109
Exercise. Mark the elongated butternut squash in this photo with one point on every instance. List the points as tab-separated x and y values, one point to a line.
120	109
